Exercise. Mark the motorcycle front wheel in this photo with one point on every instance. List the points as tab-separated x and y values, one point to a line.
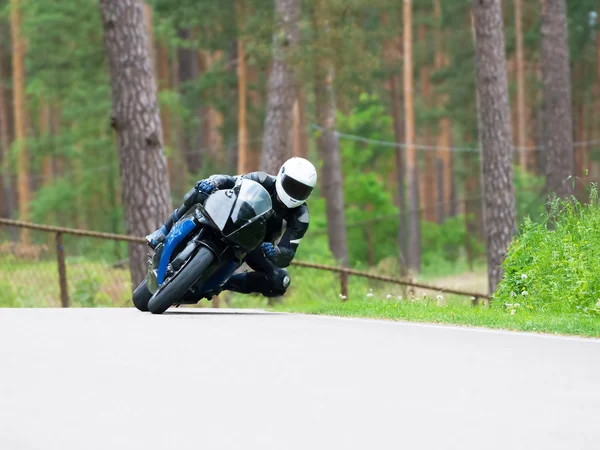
185	279
141	296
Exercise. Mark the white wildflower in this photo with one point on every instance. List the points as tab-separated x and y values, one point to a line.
369	295
512	312
524	293
517	305
389	296
343	297
512	294
440	298
508	305
524	276
598	304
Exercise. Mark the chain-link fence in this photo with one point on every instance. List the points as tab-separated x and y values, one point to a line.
69	267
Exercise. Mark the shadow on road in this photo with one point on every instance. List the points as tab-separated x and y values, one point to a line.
219	313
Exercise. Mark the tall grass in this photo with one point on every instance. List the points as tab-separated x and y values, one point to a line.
552	265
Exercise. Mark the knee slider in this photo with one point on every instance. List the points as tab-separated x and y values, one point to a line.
280	281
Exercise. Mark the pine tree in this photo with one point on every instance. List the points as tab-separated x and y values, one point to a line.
136	121
495	135
414	245
20	115
521	129
557	122
7	191
282	86
331	178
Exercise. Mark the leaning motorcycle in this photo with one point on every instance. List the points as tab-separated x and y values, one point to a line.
205	247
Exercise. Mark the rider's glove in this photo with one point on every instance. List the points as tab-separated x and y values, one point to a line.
206	187
270	251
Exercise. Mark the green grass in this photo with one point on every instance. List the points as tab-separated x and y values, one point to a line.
31	284
457	314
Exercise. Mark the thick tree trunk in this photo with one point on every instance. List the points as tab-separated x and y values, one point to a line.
557	121
495	135
136	120
20	115
7	188
414	248
282	86
521	104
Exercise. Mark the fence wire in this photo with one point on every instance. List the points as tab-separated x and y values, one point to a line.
70	267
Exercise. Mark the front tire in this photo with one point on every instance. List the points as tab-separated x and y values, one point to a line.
141	296
177	288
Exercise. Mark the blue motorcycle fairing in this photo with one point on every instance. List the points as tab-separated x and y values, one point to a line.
176	236
222	275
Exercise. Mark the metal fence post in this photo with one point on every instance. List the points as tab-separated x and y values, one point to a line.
62	271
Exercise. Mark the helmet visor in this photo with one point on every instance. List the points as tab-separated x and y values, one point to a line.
295	189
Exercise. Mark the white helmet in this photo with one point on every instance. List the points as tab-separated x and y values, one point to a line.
295	182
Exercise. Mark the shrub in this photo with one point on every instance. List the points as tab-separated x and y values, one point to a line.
555	268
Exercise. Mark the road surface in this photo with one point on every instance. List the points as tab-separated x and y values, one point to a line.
87	379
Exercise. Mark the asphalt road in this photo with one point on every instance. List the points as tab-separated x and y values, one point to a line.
118	379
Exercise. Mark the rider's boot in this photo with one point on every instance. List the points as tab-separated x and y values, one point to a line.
158	236
237	283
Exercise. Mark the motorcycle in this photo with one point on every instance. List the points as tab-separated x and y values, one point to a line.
205	247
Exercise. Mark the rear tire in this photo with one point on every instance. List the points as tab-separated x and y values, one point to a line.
177	288
141	296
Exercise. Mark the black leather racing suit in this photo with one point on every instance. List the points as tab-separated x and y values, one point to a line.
270	277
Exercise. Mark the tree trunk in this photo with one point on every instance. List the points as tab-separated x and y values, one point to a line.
495	135
331	173
45	132
299	131
557	121
414	250
282	86
444	139
213	118
18	61
150	30
392	55
242	162
428	179
331	178
521	105
136	121
7	187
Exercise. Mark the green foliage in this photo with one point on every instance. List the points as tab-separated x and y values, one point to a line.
86	291
555	268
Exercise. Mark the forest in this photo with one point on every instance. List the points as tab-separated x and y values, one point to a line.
437	127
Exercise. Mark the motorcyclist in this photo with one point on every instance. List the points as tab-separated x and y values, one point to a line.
289	191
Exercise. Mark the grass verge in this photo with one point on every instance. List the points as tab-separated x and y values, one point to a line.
457	314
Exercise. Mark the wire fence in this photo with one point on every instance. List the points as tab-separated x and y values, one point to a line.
65	267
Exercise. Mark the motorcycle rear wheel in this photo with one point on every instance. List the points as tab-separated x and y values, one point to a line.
176	289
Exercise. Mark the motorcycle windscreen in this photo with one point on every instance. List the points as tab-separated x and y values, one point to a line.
240	213
218	207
